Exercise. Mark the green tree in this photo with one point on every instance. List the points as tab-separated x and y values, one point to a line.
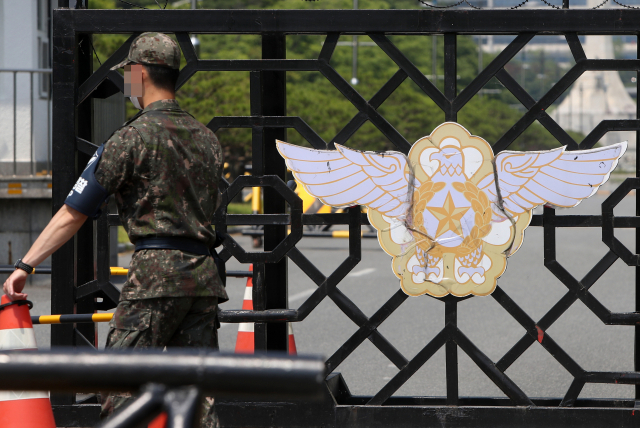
313	98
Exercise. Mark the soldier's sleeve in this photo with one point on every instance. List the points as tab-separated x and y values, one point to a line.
87	195
118	160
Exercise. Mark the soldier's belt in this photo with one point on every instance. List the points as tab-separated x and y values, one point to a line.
186	245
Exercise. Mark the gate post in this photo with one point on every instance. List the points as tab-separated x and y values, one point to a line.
85	269
63	162
274	103
636	347
451	302
450	74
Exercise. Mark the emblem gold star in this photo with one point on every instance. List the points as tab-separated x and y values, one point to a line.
448	216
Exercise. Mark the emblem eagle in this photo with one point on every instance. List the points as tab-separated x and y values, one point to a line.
450	213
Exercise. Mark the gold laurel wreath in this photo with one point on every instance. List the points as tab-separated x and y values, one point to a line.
482	208
482	220
422	196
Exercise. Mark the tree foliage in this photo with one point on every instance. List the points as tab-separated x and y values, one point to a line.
313	98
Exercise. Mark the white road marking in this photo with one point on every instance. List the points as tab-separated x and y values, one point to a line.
362	272
301	295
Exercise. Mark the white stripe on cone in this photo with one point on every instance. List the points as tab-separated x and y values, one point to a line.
18	338
21	409
248	293
22	395
245	327
245	339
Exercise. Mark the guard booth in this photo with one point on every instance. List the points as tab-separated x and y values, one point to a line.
80	275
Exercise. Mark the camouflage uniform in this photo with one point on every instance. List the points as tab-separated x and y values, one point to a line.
164	167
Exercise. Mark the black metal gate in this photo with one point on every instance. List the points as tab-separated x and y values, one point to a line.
77	282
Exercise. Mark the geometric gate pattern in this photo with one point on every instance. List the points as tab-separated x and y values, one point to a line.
73	85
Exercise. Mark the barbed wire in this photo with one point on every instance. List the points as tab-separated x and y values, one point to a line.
142	7
132	4
472	6
551	5
442	7
625	5
519	5
522	4
94	50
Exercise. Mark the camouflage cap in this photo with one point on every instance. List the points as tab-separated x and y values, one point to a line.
153	49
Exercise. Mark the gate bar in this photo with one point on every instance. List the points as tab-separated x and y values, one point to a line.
229	375
350	22
636	347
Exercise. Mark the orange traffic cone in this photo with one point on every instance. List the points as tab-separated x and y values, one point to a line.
292	341
245	341
159	422
21	409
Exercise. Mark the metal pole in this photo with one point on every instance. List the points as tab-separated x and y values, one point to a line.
49	127
636	348
451	303
480	62
33	167
219	374
141	411
581	111
86	254
274	103
63	163
257	169
354	59
434	56
15	113
450	73
479	54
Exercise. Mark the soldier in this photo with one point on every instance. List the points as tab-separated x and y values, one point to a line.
163	167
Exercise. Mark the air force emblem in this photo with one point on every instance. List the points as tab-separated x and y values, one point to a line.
451	212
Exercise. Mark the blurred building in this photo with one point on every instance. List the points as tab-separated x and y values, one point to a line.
598	96
25	88
25	121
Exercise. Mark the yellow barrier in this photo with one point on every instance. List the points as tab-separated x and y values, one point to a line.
119	271
256	200
49	319
103	317
342	234
71	318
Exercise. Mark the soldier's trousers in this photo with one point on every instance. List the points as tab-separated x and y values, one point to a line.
163	322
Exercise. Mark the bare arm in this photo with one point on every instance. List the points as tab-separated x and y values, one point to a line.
60	229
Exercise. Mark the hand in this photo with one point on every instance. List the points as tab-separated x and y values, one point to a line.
14	285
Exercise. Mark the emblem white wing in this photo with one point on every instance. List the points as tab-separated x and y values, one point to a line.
346	177
561	178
